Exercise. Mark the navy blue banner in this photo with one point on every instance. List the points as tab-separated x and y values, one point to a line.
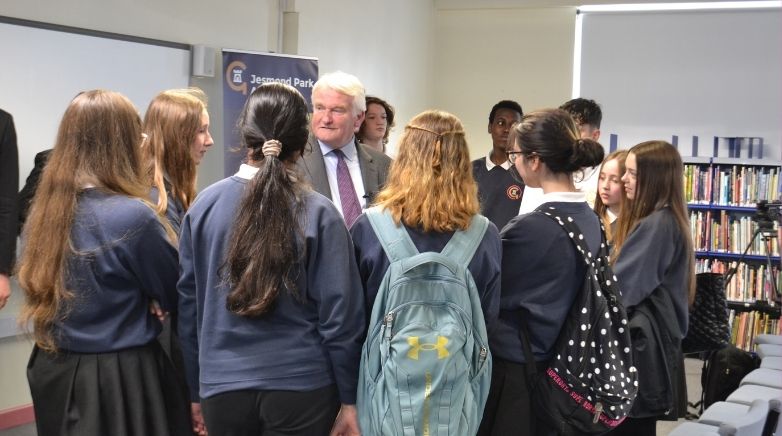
245	71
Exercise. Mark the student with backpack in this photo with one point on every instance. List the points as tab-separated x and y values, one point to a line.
270	301
654	260
425	364
542	271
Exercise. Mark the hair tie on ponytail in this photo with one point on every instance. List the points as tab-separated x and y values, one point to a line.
271	147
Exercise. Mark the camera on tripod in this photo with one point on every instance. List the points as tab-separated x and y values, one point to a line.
766	213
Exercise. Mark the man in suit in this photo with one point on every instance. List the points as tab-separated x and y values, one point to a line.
9	184
336	164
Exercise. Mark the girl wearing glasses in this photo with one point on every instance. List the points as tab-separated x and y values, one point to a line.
541	269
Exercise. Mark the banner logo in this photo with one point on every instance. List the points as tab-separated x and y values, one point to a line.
415	347
234	76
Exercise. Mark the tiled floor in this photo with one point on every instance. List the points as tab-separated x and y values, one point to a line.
693	367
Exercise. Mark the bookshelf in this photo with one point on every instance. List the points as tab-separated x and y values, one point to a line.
721	194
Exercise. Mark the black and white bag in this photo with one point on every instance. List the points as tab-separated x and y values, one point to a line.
589	385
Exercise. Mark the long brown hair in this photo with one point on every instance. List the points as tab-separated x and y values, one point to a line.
659	184
600	208
97	145
171	124
430	184
262	252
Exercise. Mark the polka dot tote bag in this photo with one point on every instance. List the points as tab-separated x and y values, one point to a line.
590	383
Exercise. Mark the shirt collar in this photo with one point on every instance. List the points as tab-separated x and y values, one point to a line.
349	149
489	164
564	197
246	171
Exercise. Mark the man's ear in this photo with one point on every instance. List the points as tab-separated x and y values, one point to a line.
359	120
596	135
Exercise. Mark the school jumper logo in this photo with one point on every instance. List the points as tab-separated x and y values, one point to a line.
513	192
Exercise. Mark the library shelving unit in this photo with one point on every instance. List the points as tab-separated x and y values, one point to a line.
722	194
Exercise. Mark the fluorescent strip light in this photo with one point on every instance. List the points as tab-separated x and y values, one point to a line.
680	6
577	59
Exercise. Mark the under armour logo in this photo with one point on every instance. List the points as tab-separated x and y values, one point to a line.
415	347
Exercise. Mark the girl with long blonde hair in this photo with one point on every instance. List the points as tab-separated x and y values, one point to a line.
96	253
430	191
610	191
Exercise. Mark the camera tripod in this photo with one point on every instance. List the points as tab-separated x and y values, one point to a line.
766	230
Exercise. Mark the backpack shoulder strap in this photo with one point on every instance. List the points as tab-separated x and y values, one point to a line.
576	235
463	243
395	240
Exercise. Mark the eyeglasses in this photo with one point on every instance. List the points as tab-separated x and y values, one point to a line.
512	155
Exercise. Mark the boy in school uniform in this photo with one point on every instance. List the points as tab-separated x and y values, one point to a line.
500	195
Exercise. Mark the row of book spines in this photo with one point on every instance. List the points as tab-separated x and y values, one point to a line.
697	184
728	234
746	185
744	326
749	284
734	186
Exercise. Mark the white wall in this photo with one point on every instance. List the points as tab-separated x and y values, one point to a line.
483	56
388	45
250	27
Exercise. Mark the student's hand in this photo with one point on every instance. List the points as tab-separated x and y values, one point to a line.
346	423
155	309
199	428
5	290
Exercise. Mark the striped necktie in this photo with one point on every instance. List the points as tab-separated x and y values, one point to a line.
351	208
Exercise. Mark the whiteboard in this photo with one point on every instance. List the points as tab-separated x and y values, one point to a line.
706	73
44	68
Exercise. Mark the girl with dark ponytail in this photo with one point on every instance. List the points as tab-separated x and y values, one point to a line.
271	304
541	269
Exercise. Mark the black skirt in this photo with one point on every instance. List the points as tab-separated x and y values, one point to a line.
132	392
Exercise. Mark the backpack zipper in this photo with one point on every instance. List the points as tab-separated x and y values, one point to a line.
388	323
483	354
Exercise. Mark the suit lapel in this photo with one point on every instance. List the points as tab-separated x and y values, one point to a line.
369	173
315	168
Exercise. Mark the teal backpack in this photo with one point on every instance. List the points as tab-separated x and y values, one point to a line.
425	366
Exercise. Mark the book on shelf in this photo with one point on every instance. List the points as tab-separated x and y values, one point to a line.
722	195
744	326
751	283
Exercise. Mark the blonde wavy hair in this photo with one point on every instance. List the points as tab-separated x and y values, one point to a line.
430	184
